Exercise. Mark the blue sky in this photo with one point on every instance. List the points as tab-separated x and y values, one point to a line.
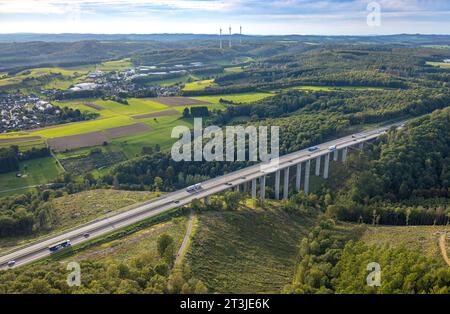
323	17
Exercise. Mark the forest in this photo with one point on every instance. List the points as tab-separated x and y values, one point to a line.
406	165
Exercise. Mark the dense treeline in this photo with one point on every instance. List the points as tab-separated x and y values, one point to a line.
140	275
272	107
82	94
193	112
232	89
160	172
26	213
402	168
9	159
334	261
11	156
32	212
305	119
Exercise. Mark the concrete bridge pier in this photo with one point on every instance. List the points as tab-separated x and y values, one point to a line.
286	184
326	166
254	189
262	187
344	154
336	155
277	185
307	173
318	165
361	145
298	177
206	200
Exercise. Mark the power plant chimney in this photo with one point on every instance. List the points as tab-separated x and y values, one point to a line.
229	44
220	38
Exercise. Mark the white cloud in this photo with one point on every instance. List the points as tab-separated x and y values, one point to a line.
60	6
205	16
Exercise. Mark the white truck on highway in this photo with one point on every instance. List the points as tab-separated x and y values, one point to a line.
194	188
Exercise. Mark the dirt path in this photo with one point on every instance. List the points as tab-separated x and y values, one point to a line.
443	248
184	244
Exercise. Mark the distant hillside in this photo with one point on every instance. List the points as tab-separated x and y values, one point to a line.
403	38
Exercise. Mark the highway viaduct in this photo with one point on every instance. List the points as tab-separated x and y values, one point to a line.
301	162
318	160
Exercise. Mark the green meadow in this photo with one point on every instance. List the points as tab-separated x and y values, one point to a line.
198	85
233	70
440	64
34	172
336	88
25	145
237	98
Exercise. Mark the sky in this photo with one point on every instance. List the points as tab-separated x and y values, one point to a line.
257	17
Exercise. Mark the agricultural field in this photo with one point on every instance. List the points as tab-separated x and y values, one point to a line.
440	64
24	143
245	251
237	98
115	65
233	70
176	80
92	161
198	85
157	115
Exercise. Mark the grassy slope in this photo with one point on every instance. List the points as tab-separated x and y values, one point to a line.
246	251
421	238
72	75
79	208
140	243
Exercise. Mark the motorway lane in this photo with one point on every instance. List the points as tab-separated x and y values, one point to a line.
105	225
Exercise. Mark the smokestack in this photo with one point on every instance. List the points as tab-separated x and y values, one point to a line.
220	38
240	34
229	44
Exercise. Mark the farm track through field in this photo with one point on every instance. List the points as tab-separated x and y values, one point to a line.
25	187
443	248
156	114
93	106
19	139
184	244
180	101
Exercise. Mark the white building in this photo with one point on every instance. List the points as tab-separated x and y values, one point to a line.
83	86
